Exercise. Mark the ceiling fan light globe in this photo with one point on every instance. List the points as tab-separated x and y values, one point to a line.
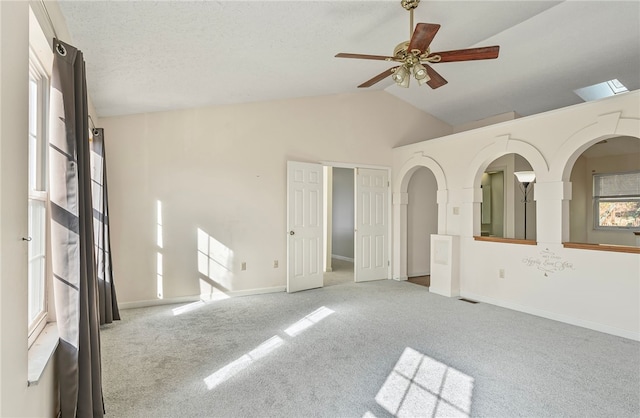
405	82
420	72
400	75
423	81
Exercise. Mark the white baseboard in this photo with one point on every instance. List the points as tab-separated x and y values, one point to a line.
261	291
401	278
419	273
156	302
339	257
554	316
189	299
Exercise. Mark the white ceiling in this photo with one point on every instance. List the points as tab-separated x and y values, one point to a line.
145	56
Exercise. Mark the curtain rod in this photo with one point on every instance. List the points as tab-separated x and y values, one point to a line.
46	12
53	28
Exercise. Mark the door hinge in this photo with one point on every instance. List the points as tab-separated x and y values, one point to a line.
388	263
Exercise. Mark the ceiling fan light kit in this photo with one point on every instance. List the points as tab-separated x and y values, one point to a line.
414	55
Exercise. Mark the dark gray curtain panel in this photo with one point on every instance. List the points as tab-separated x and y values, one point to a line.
108	304
72	240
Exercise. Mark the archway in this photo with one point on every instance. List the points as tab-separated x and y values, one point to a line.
400	207
422	222
602	210
606	127
508	155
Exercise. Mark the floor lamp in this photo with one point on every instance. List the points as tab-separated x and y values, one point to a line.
525	178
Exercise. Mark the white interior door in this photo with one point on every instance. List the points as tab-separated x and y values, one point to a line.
305	230
371	235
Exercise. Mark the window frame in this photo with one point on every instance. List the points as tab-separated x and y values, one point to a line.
38	191
597	199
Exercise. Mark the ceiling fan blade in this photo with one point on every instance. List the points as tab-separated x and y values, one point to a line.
484	53
364	57
422	36
436	79
378	78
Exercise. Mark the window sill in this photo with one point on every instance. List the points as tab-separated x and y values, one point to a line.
602	247
506	240
41	352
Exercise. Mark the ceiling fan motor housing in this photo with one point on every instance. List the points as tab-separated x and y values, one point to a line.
409	4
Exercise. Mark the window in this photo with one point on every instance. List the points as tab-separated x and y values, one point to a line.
616	200
601	90
38	100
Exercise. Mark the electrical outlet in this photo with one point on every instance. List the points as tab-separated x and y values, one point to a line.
501	273
456	210
243	266
275	264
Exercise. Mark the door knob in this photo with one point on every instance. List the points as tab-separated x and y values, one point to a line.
291	233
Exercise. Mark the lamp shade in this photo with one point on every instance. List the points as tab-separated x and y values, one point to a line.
525	176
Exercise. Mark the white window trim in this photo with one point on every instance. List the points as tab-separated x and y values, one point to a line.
41	352
43	334
41	76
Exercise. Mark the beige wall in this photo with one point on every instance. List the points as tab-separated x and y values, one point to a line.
579	201
223	170
16	398
503	117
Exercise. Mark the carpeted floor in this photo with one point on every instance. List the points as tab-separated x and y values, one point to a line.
375	349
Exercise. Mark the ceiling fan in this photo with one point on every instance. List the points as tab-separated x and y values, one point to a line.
414	55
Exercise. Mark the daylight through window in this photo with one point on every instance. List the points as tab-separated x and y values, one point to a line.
38	98
617	200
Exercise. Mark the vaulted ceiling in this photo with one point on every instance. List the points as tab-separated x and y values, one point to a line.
145	56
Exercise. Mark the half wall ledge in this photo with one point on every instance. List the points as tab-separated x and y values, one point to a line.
602	247
506	240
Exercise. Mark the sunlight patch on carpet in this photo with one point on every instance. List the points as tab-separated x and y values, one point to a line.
265	348
243	362
187	308
419	386
308	321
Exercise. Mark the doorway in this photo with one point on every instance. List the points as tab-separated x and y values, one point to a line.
309	217
341	207
422	222
492	206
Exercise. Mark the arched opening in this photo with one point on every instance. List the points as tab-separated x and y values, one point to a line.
605	184
422	222
400	208
508	209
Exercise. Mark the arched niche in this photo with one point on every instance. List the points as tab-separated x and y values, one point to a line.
503	212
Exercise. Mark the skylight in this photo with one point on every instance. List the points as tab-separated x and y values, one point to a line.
601	90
